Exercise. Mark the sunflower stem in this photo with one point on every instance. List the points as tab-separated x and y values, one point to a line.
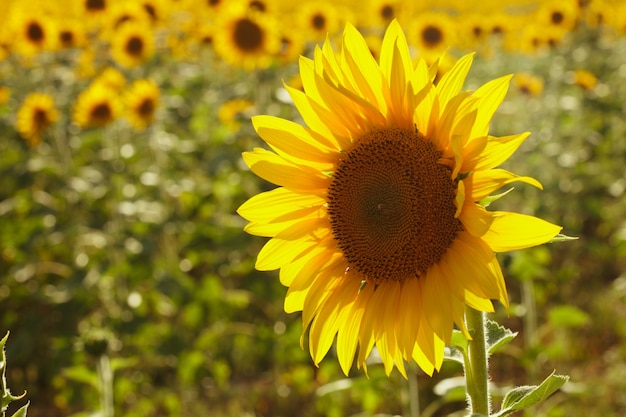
476	369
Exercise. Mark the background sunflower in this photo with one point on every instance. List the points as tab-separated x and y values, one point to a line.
36	114
142	102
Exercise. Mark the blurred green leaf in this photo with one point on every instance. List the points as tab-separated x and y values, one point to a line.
520	398
567	316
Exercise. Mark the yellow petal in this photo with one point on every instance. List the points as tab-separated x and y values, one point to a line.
483	183
328	319
273	168
323	285
436	301
294	139
309	109
497	150
491	95
512	231
475	218
363	67
291	243
452	81
478	303
348	336
409	323
469	259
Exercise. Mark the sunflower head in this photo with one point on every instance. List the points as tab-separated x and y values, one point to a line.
132	44
377	226
142	100
97	106
37	113
247	39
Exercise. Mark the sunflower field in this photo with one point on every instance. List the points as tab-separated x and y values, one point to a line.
128	285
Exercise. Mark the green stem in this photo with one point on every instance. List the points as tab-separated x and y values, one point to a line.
414	399
476	370
105	375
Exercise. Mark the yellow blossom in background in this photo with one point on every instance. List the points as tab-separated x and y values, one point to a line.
318	19
111	78
432	34
142	101
377	226
96	107
31	33
231	113
528	84
132	44
36	114
585	79
5	94
246	39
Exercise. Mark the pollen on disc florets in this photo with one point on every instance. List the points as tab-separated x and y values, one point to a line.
392	205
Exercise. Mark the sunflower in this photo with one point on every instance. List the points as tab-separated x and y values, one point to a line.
71	33
377	14
246	39
34	116
585	79
318	19
233	112
142	101
97	106
5	94
528	84
31	33
562	14
111	78
377	226
431	33
473	31
121	13
132	44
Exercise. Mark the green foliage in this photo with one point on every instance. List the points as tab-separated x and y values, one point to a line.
5	394
521	398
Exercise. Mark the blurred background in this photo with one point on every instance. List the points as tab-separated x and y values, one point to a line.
125	277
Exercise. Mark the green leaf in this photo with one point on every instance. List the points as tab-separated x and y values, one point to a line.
457	349
459	341
526	396
562	238
490	199
22	411
82	374
5	395
497	336
567	316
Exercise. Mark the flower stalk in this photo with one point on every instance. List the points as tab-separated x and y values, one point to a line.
476	365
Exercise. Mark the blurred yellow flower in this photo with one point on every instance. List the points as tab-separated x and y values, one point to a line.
132	44
5	94
585	79
34	116
432	34
232	112
111	78
142	101
377	226
317	19
246	39
30	33
96	107
528	84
